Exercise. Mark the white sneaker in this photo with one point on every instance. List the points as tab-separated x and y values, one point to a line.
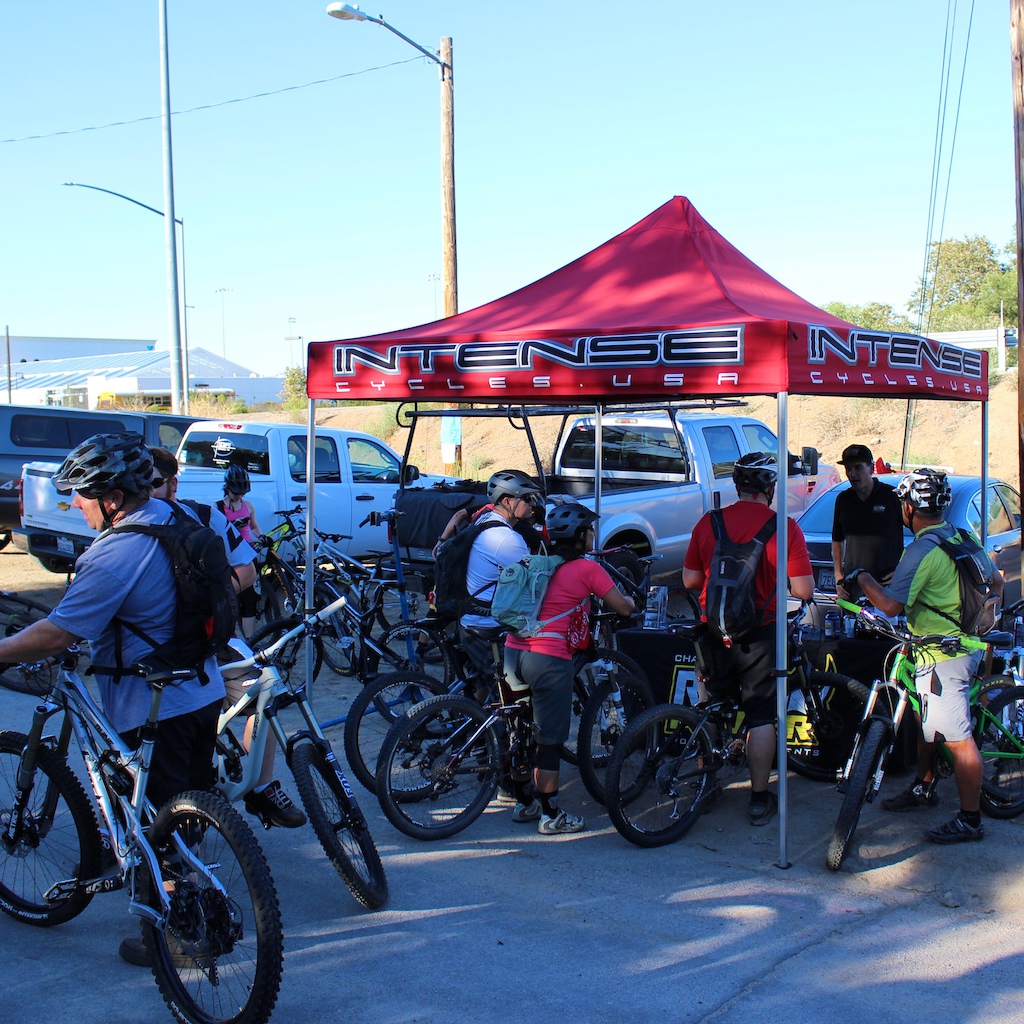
527	812
560	823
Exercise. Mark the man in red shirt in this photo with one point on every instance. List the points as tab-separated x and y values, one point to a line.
749	665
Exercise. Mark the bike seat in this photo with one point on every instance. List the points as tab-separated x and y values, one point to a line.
487	633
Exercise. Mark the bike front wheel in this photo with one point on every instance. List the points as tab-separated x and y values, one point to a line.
866	763
661	776
412	647
34	677
290	661
439	767
339	823
58	840
821	724
218	957
1001	742
603	723
375	709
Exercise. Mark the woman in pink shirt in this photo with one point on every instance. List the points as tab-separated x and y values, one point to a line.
543	664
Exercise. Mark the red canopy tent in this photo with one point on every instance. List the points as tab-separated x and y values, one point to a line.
666	309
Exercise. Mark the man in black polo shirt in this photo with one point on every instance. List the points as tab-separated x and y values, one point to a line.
867	529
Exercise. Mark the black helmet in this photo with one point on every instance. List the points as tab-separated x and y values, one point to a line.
236	480
511	483
568	521
755	472
927	490
107	462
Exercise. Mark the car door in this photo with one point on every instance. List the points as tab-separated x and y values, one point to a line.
1003	540
1008	543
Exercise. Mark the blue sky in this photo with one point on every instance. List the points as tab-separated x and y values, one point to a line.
803	131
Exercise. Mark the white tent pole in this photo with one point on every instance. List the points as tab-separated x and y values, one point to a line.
984	475
781	608
310	536
598	467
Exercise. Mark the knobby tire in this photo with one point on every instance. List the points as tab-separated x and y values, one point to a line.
820	751
339	824
33	677
1001	732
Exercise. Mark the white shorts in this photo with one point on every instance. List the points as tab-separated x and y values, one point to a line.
945	688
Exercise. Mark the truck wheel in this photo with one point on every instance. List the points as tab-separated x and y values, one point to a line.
627	563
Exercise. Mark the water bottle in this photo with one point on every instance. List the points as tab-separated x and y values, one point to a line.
1018	632
831	625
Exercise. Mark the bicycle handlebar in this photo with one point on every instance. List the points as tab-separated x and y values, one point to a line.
878	623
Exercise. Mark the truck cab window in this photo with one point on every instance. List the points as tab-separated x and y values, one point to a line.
326	468
371	463
212	450
723	449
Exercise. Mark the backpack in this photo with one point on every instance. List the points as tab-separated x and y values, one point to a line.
206	608
520	593
731	611
974	574
451	598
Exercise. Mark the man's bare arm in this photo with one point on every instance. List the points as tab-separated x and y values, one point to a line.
42	639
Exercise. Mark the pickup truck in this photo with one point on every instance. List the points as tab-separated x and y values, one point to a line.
30	433
356	473
661	471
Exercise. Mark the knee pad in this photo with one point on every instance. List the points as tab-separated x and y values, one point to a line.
549	757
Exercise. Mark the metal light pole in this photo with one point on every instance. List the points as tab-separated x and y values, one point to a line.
443	59
183	342
178	401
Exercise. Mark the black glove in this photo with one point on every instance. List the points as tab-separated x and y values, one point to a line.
851	577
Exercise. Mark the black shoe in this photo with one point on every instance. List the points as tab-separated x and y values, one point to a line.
132	951
761	814
915	795
956	830
274	806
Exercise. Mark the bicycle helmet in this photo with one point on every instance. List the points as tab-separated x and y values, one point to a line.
755	473
236	480
511	483
107	462
927	490
569	521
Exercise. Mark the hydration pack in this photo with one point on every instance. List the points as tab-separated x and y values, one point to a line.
520	593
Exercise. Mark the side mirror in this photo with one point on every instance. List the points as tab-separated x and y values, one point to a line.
410	473
810	457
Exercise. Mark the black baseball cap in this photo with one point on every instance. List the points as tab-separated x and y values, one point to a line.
856	453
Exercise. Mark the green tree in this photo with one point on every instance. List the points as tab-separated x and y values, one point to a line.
964	283
293	393
875	316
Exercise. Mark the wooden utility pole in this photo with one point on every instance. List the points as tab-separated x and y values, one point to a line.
449	268
1017	55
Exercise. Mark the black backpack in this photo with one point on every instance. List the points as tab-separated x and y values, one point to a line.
207	608
974	574
451	596
731	609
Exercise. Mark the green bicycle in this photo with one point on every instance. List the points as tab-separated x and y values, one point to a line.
997	714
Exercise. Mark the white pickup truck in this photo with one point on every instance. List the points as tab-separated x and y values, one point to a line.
660	473
356	473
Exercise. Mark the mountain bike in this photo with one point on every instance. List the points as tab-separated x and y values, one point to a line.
997	716
330	804
194	873
662	774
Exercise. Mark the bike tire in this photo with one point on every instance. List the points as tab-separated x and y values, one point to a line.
1000	739
430	652
338	636
219	956
588	677
386	598
819	751
601	726
375	709
430	784
291	660
32	677
339	823
865	765
66	847
661	776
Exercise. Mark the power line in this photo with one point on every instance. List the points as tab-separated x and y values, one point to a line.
213	106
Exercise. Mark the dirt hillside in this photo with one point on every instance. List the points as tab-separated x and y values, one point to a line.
946	434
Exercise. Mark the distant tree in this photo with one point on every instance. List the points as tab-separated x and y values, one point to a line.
966	279
875	316
294	390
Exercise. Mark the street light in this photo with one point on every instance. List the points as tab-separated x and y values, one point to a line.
443	59
182	343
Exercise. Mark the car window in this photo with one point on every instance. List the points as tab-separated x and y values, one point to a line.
998	520
36	431
759	438
722	448
1011	499
170	435
820	513
214	450
325	459
371	462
